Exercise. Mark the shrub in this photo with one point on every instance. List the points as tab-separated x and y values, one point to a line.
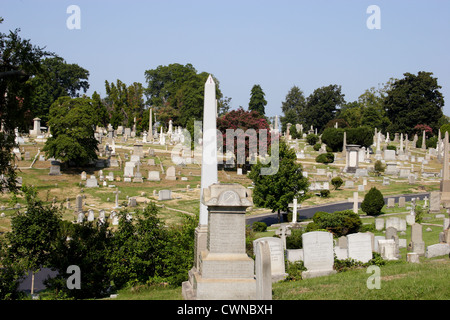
373	202
333	138
378	167
312	139
317	146
294	270
389	147
325	158
324	193
294	241
340	223
259	226
336	182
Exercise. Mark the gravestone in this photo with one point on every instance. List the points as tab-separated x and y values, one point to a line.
170	174
55	168
225	271
101	216
397	223
151	162
153	176
263	271
128	169
91	182
379	224
436	250
360	246
79	203
417	244
435	202
27	156
389	155
388	249
165	195
412	257
276	257
318	255
91	216
391	203
401	202
132	202
83	176
80	217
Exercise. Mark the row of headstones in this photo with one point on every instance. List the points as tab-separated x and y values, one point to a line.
319	250
114	217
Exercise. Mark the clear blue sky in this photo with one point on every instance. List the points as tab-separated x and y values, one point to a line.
276	44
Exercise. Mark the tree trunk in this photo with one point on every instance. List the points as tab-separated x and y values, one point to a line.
279	216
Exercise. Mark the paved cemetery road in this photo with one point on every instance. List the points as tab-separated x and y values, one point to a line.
305	213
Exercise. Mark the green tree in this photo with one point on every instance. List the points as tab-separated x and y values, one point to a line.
101	113
293	108
85	245
277	191
257	101
413	100
322	105
19	62
176	92
373	202
58	79
72	122
33	233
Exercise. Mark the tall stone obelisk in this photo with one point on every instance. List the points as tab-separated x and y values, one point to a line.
445	183
150	125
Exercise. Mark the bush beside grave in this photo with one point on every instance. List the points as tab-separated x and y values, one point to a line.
325	158
340	223
373	202
312	139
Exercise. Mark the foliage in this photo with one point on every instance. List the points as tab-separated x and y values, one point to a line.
294	241
257	102
293	108
176	92
325	158
278	190
349	263
12	272
336	182
379	167
373	202
362	136
419	212
19	61
259	226
294	270
334	138
321	106
33	232
324	193
391	147
86	246
317	146
240	121
312	139
413	100
72	124
419	128
57	79
340	223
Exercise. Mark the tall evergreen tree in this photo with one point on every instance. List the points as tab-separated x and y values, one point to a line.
257	101
293	108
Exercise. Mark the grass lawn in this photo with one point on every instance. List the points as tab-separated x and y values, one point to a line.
399	281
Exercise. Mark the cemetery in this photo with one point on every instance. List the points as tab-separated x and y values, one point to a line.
181	197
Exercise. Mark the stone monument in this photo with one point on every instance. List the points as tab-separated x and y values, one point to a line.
225	270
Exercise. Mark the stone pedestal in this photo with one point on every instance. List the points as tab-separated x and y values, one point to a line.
223	271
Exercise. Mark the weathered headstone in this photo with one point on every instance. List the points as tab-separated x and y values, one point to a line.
388	249
436	250
379	224
360	246
435	202
91	182
318	255
91	216
165	195
391	203
170	174
225	271
417	243
55	168
153	176
401	202
79	203
263	271
276	256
